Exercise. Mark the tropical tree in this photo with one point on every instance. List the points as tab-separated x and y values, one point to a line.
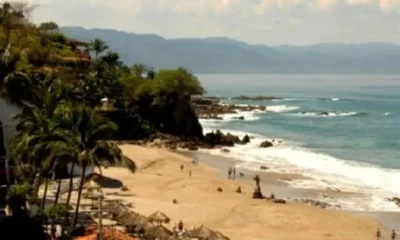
98	46
48	26
89	129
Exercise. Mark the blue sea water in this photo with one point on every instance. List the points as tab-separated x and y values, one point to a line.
345	126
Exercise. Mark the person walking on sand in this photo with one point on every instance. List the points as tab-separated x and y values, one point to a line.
394	235
180	226
257	179
182	167
229	173
234	173
378	234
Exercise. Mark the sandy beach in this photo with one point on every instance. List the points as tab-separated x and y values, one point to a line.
159	180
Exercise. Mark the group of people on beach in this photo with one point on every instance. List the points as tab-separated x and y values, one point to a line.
379	235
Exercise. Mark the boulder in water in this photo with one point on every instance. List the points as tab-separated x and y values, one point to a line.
263	167
266	144
280	201
246	139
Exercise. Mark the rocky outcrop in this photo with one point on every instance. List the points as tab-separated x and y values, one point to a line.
266	144
396	200
218	138
214	110
256	98
246	139
263	168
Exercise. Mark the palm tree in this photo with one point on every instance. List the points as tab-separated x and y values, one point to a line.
98	46
85	131
90	130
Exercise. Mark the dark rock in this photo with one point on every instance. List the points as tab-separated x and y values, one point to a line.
324	113
174	201
280	201
266	144
246	139
241	174
239	190
256	98
316	203
124	189
219	189
239	118
396	200
193	148
218	138
225	150
263	168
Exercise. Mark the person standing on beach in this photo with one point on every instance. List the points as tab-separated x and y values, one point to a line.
229	173
394	235
181	167
378	234
190	173
234	173
257	179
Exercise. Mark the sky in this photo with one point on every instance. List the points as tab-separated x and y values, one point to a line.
270	22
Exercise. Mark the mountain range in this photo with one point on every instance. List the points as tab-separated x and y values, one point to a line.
225	55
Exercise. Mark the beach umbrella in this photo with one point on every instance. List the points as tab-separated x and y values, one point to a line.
159	217
159	232
201	232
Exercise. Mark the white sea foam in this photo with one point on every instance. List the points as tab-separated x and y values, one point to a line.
281	108
387	113
247	116
327	114
326	172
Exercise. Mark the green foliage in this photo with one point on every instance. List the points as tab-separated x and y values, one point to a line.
57	212
48	26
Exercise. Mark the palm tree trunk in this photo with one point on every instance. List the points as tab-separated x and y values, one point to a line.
58	192
79	196
38	183
70	184
44	194
53	230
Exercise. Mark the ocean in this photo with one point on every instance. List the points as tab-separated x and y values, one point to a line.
343	131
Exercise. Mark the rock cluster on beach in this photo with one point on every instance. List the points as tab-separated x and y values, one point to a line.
221	139
214	111
210	107
396	200
317	203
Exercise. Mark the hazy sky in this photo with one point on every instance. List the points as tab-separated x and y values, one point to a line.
272	22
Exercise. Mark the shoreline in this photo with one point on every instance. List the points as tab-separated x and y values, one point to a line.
322	172
271	181
159	181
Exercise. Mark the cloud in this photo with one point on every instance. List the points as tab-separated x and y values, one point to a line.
258	21
389	6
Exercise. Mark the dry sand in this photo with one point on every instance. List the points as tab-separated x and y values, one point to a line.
159	180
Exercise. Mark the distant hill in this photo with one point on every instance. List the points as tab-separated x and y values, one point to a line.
225	55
